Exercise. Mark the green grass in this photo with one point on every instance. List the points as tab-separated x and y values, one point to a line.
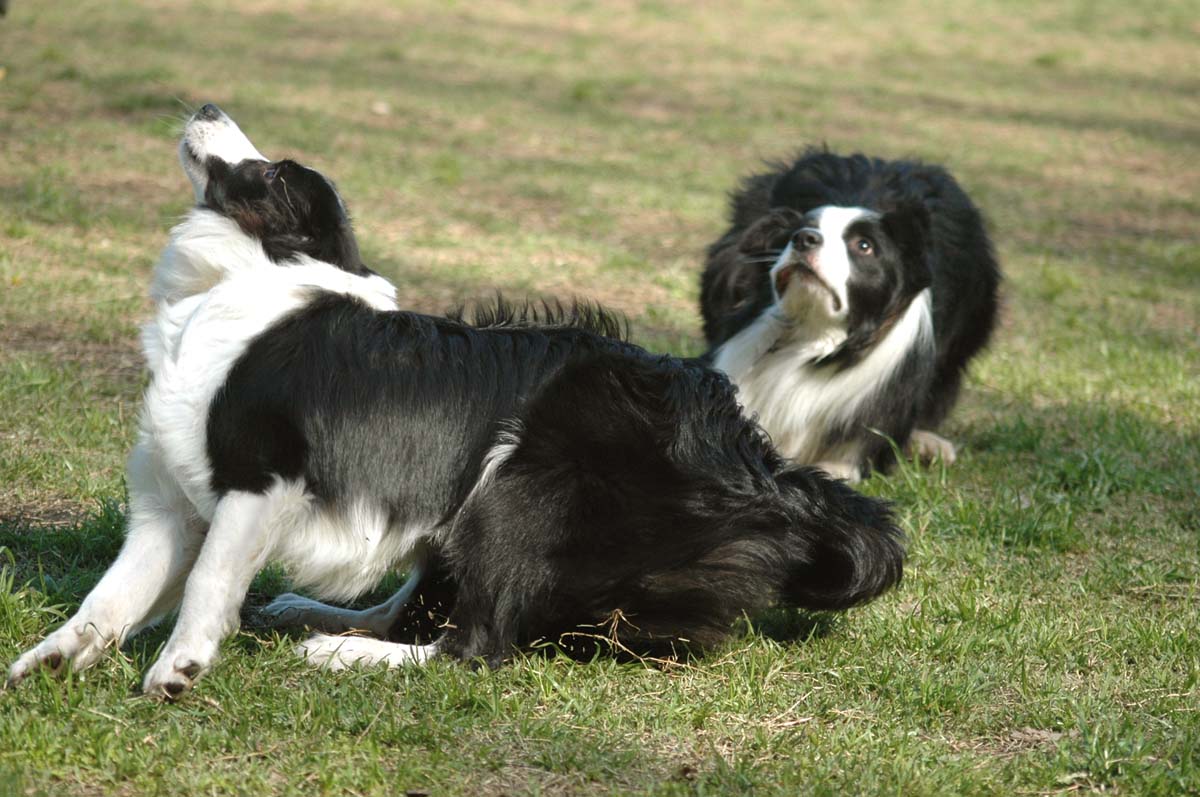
1044	639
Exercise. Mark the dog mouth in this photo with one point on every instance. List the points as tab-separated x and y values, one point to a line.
799	271
190	154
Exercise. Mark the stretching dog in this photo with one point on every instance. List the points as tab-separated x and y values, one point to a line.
563	476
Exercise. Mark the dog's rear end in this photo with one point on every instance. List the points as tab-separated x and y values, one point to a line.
660	514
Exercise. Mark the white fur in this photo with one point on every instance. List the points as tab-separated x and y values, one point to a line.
236	547
144	582
195	340
340	553
248	530
341	652
773	361
295	610
795	399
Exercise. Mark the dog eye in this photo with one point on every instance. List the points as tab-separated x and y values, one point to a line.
864	246
270	173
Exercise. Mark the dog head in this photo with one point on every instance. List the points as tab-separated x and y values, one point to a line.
846	272
289	209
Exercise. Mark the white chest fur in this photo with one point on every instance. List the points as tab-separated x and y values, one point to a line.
797	401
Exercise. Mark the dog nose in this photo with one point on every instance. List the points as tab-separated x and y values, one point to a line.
807	239
209	112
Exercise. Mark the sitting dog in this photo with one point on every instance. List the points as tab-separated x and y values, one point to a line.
845	301
562	476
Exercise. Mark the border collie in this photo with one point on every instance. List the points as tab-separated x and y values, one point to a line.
564	476
845	302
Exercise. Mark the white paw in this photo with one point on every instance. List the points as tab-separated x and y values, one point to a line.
77	642
846	471
927	447
324	651
341	652
176	672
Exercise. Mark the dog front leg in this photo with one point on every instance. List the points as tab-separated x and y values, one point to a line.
141	585
234	550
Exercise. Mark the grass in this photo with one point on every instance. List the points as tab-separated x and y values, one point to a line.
1044	639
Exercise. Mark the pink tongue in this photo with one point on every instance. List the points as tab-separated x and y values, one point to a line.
782	278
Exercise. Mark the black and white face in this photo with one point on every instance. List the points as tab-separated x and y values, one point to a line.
292	210
211	136
846	266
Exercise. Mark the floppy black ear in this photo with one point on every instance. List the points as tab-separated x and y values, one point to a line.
340	247
330	235
336	246
214	192
908	224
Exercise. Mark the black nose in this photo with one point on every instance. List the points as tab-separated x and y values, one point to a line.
807	239
209	112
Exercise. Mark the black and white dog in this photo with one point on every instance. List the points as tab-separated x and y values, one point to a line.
845	301
564	477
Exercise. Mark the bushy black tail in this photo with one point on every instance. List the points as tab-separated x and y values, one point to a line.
813	544
847	549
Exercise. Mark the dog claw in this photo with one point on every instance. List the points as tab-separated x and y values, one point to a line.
174	689
173	676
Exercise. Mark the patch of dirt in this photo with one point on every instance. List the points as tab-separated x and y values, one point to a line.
119	361
1171	318
42	511
1015	742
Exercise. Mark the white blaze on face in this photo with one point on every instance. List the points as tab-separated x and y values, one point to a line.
217	137
831	261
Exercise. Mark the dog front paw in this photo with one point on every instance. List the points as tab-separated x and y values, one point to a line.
31	661
927	447
173	676
78	643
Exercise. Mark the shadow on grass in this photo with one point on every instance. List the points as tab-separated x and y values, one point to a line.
794	625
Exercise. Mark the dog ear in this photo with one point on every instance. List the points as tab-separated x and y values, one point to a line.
771	231
217	172
909	225
340	247
329	234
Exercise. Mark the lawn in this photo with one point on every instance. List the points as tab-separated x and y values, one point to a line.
1044	640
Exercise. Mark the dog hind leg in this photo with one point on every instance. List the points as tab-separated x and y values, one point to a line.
292	610
341	652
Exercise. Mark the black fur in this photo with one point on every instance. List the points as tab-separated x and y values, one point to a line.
939	241
635	493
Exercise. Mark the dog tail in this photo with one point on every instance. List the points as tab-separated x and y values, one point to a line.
811	543
846	548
